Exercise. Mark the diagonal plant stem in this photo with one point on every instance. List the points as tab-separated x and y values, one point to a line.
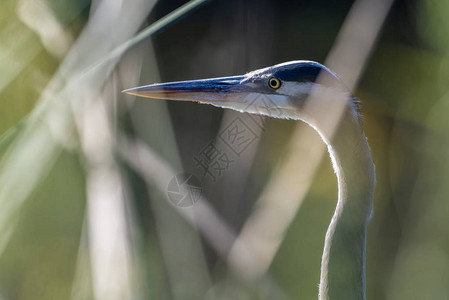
38	142
202	216
117	52
264	231
7	137
154	28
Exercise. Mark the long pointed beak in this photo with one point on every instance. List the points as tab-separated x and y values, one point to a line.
205	90
236	92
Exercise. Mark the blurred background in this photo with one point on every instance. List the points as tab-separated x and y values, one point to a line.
86	205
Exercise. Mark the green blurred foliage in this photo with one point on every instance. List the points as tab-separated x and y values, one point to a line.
40	260
405	99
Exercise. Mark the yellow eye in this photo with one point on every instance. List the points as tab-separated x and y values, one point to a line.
274	83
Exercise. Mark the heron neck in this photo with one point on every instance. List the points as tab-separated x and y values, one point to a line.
343	261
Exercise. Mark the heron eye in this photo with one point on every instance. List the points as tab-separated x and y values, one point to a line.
274	83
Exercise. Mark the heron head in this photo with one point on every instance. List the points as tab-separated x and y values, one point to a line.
279	91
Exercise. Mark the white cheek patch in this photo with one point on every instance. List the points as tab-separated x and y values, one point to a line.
271	105
286	103
301	92
296	89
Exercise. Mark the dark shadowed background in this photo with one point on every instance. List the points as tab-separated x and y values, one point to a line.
51	245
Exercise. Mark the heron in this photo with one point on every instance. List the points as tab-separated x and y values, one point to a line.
287	90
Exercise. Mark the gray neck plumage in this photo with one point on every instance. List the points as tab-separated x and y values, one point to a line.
343	261
322	106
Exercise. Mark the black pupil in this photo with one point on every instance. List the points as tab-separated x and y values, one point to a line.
273	83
